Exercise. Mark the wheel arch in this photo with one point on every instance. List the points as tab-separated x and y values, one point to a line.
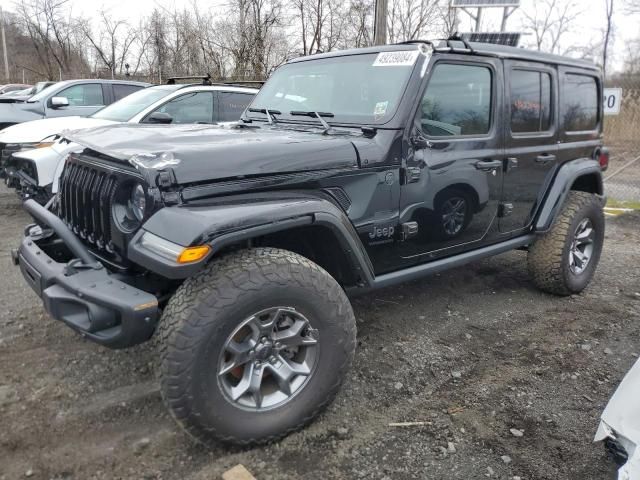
308	224
583	174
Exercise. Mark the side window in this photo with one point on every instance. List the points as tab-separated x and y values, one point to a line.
580	103
121	91
194	107
231	105
86	95
530	101
457	101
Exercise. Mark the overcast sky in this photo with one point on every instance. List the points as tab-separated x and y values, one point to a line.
587	26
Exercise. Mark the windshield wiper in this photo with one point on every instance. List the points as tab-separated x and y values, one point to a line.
271	114
317	115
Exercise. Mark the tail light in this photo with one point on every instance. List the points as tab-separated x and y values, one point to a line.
602	156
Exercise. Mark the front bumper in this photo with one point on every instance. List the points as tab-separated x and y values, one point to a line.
83	294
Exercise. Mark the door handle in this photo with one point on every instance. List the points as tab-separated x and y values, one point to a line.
488	165
545	158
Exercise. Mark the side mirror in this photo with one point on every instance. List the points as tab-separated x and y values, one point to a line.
159	117
419	142
59	102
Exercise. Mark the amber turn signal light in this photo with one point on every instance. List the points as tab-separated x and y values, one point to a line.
193	254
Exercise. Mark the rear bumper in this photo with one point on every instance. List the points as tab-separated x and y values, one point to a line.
86	297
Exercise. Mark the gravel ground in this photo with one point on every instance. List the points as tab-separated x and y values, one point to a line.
475	354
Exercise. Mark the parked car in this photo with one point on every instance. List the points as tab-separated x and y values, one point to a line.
620	425
70	97
12	87
236	246
35	172
19	96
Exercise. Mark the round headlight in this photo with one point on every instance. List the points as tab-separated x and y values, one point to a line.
138	202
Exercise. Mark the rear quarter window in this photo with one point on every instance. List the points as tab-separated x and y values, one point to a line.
121	91
231	105
580	103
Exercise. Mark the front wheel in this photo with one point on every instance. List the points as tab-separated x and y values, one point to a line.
254	346
564	260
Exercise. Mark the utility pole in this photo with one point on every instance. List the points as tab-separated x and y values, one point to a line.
506	13
380	23
4	46
479	19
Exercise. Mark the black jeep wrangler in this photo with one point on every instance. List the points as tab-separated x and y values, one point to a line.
236	247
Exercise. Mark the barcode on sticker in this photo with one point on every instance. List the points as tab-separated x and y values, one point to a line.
396	59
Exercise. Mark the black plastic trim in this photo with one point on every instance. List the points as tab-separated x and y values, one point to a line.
567	174
420	271
91	301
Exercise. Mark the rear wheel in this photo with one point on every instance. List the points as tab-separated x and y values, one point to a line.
254	346
564	260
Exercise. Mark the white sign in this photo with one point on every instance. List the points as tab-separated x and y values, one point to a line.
396	59
612	101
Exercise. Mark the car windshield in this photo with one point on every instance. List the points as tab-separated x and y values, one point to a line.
44	93
358	89
125	109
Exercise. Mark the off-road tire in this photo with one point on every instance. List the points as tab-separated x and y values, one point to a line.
205	310
548	258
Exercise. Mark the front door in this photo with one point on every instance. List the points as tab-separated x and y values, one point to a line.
84	99
454	163
531	141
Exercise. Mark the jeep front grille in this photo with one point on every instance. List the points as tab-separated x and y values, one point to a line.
86	194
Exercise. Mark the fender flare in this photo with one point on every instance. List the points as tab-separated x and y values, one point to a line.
224	221
556	195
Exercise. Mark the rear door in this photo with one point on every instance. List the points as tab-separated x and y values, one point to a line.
531	132
230	105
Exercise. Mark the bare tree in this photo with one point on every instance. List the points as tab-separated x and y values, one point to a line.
411	19
549	21
607	34
50	26
632	6
112	43
359	31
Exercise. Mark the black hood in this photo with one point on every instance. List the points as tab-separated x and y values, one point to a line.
199	153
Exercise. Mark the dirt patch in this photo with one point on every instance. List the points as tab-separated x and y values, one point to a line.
472	354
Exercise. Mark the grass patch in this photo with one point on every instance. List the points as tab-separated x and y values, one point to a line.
633	204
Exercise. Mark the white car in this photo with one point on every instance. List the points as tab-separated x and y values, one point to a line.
32	158
620	425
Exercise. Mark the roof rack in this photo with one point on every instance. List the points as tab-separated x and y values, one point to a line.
450	48
259	83
206	79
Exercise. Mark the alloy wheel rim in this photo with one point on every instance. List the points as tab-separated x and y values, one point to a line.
581	249
453	215
268	359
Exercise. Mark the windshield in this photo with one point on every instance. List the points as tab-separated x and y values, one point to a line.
43	93
125	109
360	89
41	86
